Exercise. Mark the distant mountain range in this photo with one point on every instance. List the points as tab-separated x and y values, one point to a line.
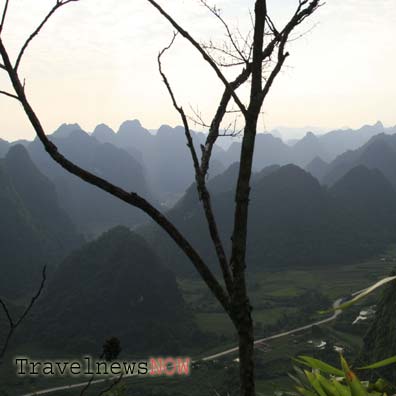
272	150
336	211
378	153
164	155
294	221
159	167
92	210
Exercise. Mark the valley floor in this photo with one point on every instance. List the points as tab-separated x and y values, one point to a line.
282	301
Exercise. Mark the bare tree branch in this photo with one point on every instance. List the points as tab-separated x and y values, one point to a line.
3	16
197	119
222	109
216	12
9	95
203	192
262	64
14	325
199	48
218	118
58	4
131	198
226	52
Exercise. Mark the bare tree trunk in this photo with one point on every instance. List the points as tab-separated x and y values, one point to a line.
240	299
267	47
246	354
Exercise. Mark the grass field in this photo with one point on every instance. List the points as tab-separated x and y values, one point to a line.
271	291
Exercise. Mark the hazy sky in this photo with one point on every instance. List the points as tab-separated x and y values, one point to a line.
96	62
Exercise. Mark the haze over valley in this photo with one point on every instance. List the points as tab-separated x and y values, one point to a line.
320	205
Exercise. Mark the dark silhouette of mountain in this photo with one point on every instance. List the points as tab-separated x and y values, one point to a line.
4	146
256	177
164	155
91	209
65	130
362	187
380	340
104	134
294	221
341	140
22	142
224	182
34	230
307	149
368	201
114	286
167	163
269	150
317	168
379	153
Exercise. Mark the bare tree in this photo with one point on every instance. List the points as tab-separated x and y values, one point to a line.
260	56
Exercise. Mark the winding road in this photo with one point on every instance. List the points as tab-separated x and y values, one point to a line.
337	312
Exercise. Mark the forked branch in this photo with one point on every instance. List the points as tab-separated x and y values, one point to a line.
199	48
131	198
216	12
202	190
13	325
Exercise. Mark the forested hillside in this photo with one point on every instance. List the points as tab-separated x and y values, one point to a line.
34	230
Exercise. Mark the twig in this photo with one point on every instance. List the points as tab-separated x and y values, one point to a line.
203	192
14	325
10	95
131	198
58	4
199	48
3	17
198	120
216	12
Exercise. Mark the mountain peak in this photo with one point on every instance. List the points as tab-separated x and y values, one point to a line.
65	130
317	168
18	153
364	184
318	161
104	133
130	125
103	128
165	130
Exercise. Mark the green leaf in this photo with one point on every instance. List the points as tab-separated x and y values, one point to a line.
327	386
305	392
382	363
301	376
318	364
356	387
315	383
342	389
